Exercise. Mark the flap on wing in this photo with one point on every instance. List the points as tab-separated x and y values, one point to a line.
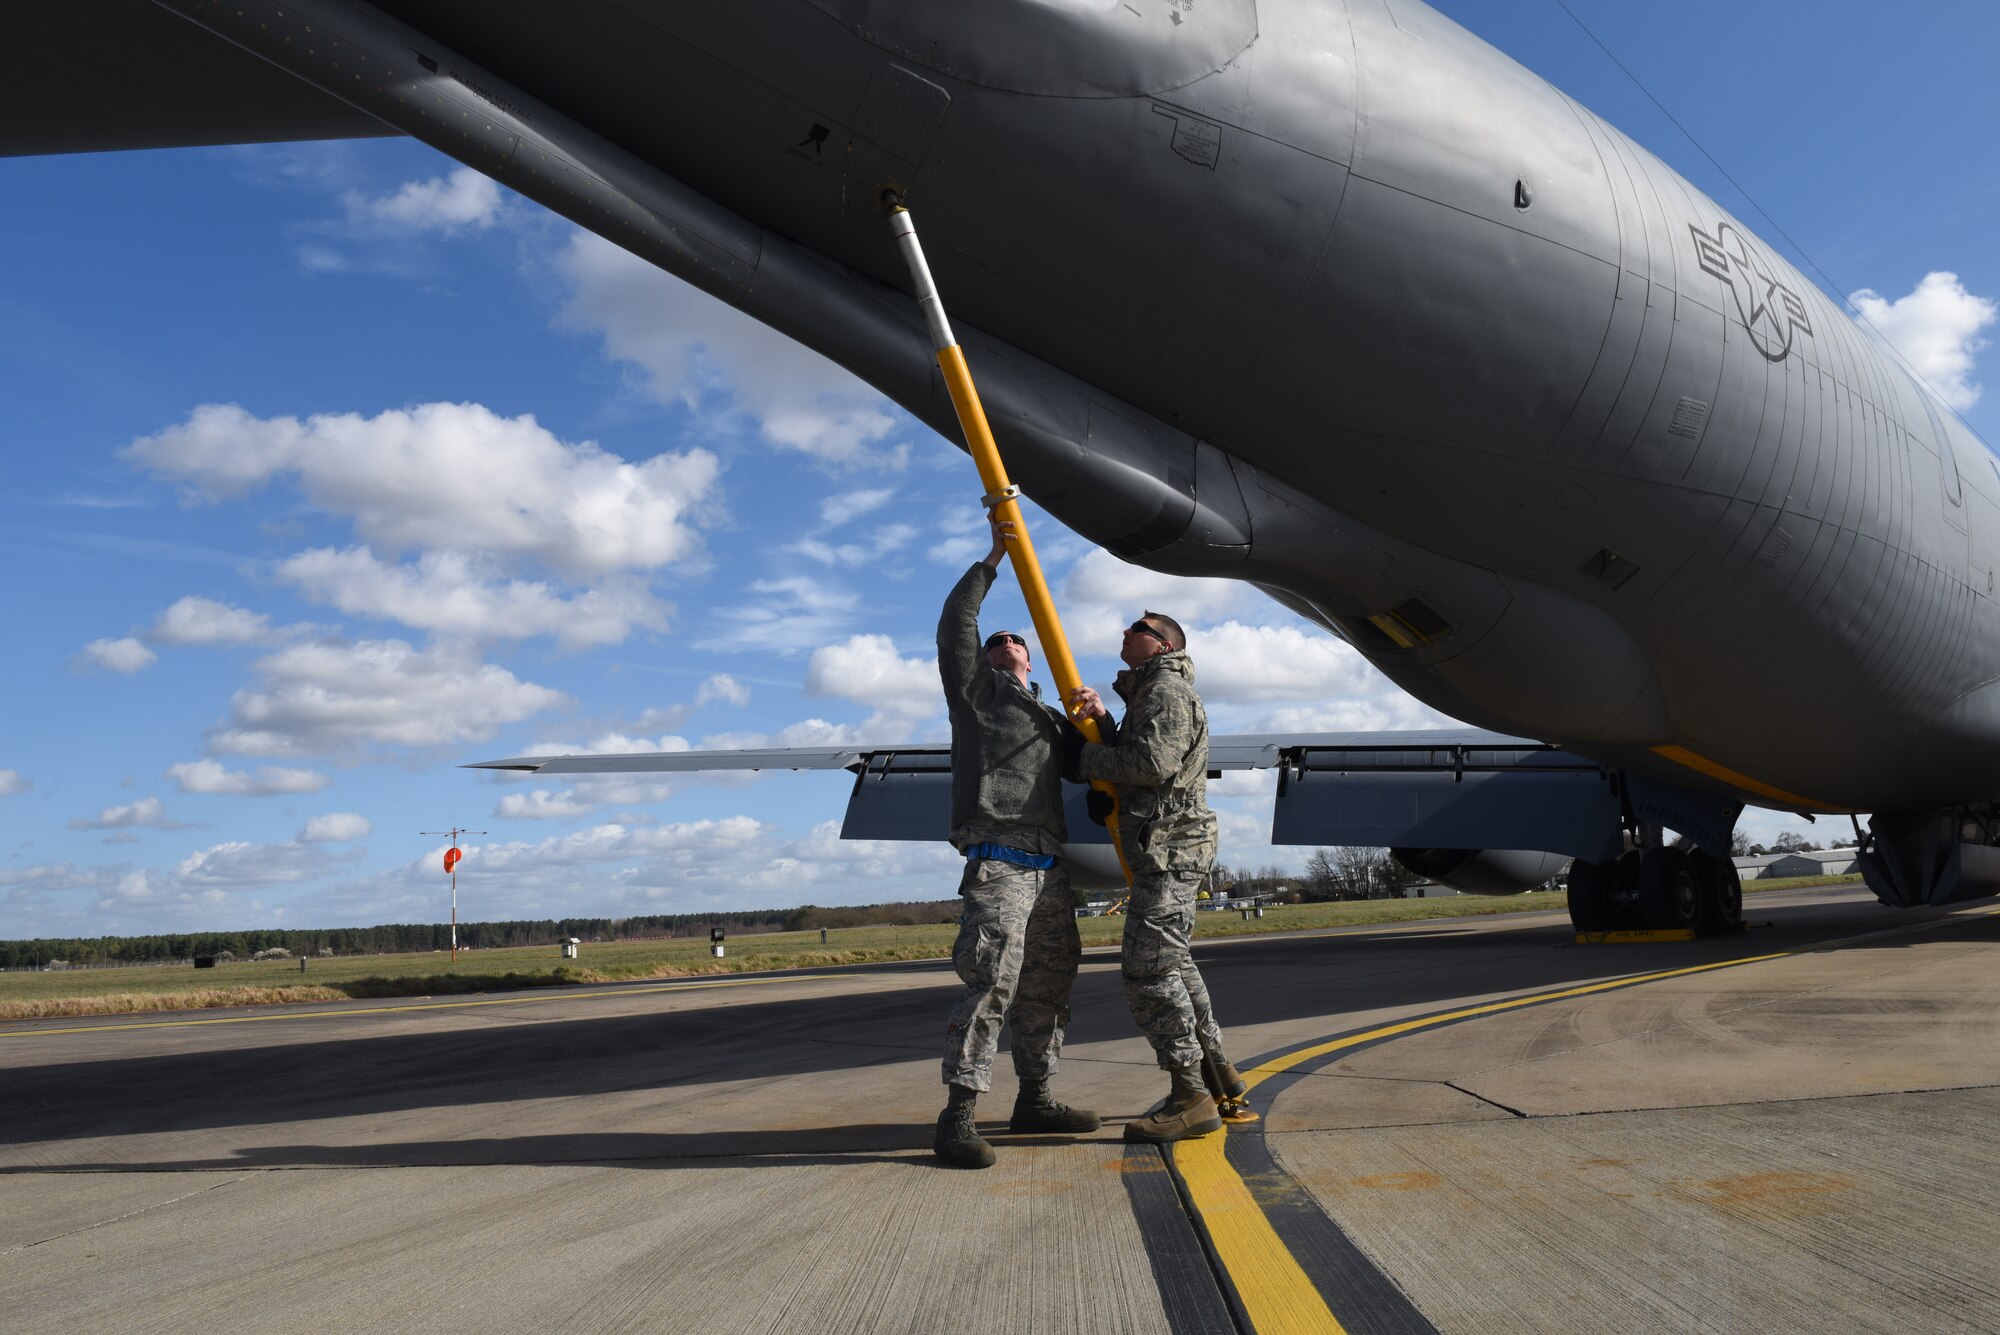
122	74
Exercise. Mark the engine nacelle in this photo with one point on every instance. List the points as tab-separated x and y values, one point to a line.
1482	871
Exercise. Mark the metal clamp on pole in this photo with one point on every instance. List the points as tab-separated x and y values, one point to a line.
1002	496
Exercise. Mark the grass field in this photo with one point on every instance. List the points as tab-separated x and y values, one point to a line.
247	983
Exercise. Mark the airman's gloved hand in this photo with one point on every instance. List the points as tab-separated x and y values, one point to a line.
1099	804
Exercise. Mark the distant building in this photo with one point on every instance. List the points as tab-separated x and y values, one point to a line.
1830	862
1750	869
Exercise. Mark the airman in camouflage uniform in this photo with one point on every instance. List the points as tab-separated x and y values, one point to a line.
1158	758
1017	947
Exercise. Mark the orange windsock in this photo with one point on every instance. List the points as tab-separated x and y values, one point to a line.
451	856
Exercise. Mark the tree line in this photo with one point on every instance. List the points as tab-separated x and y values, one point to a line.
398	938
1330	873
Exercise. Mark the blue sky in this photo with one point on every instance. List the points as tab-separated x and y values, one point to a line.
328	467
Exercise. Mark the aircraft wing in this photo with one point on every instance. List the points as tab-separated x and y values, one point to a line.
684	762
1226	751
1458	789
95	75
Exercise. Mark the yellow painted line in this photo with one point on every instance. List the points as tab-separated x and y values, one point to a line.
1680	755
1277	1295
655	990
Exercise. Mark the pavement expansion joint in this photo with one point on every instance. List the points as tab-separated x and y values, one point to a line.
1639	1109
1507	1108
118	1219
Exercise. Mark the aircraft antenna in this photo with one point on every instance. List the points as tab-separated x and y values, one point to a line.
451	860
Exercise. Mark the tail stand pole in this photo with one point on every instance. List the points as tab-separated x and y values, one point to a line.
1002	497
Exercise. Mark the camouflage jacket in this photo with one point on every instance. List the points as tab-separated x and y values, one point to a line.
1006	745
1160	763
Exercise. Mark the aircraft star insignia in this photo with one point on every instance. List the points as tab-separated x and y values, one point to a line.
1768	309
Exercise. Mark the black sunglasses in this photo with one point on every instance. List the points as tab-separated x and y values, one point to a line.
1141	628
1003	637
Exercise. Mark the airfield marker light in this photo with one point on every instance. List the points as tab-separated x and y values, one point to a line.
1001	495
452	857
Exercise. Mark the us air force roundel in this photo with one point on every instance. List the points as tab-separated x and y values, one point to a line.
1769	310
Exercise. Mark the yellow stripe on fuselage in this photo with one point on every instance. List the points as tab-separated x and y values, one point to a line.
1680	755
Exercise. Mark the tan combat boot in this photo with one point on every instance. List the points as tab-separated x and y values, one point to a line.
1035	1109
958	1141
1186	1112
1222	1079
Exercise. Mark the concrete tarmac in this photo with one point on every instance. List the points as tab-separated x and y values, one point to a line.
1467	1126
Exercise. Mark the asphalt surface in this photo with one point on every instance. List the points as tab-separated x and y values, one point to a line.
1466	1126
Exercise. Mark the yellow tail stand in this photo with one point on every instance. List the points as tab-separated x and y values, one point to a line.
1001	497
1000	494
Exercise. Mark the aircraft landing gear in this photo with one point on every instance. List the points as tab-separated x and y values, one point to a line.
1669	897
1721	892
1656	888
1590	900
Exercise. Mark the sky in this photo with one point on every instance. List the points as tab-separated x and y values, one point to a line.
328	468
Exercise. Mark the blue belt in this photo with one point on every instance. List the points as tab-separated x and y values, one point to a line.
1018	856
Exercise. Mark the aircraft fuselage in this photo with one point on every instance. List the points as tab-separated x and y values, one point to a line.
1335	298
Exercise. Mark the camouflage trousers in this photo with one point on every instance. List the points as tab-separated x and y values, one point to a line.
1016	952
1168	997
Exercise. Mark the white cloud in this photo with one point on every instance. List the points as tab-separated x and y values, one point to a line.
541	804
335	827
722	686
1102	595
126	655
195	620
593	790
331	695
464	200
238	864
849	505
450	475
147	812
613	842
1936	327
610	744
457	593
1388	711
1235	663
136	891
688	344
794	612
867	670
806	732
1763	827
879	543
212	777
11	783
878	870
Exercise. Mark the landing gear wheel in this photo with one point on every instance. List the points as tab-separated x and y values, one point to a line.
1589	899
1669	895
1721	893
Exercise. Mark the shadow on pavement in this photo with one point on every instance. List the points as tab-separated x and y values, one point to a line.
507	1056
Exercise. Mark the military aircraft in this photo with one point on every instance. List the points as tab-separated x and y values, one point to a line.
1327	296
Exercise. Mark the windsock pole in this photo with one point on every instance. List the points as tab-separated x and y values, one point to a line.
1001	495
